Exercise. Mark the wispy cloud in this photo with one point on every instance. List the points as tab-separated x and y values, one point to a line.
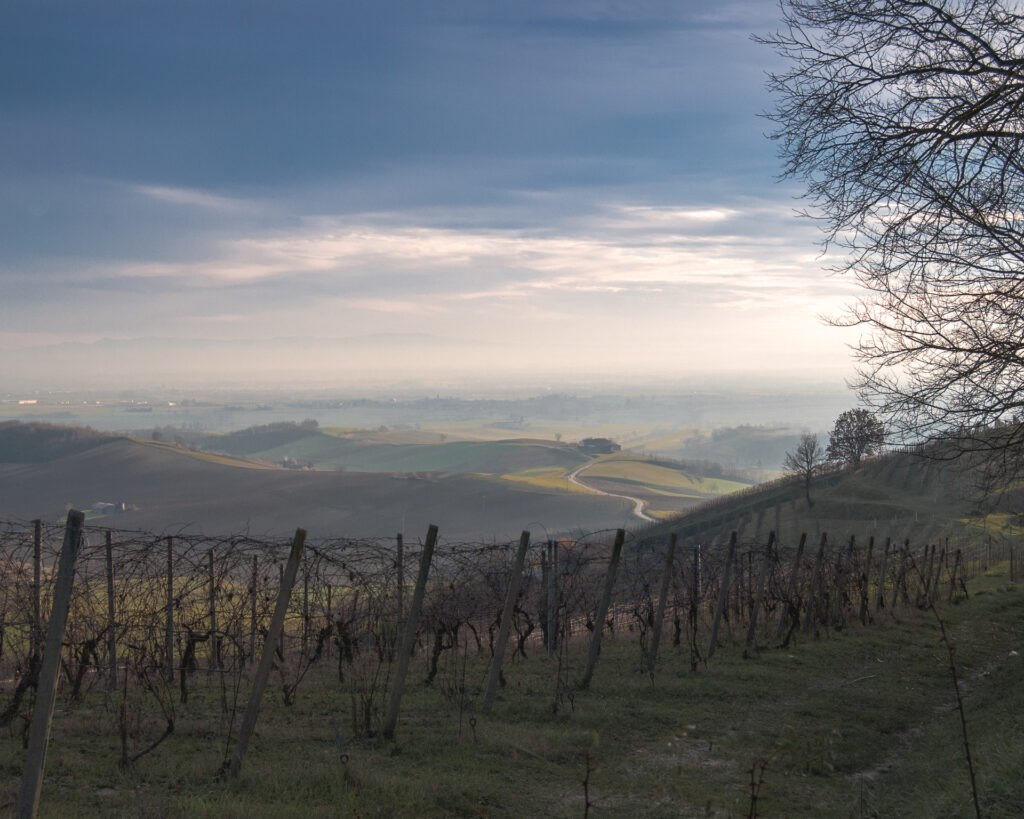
191	198
620	248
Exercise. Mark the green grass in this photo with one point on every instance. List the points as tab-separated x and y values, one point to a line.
862	724
545	478
658	475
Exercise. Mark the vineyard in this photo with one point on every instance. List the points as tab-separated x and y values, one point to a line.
170	640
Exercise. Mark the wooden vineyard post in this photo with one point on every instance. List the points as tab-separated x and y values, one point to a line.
844	568
214	646
602	610
900	575
409	635
507	613
762	578
169	624
253	590
111	620
544	625
267	658
37	586
46	692
952	576
659	617
400	571
882	574
937	575
929	561
552	595
815	581
305	611
280	585
865	577
787	604
738	585
694	608
723	597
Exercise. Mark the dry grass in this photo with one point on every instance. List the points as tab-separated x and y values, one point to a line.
862	724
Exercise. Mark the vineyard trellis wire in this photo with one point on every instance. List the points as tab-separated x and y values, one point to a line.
156	617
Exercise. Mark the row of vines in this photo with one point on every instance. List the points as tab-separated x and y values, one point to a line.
154	619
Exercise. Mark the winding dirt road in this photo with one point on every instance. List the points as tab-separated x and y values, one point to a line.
638	504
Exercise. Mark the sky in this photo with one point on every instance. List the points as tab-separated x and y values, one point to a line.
400	189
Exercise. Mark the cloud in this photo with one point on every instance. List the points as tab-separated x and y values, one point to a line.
192	198
619	247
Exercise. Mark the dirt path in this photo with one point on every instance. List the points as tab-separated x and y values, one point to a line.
638	504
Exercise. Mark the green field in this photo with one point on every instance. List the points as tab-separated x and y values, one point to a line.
659	476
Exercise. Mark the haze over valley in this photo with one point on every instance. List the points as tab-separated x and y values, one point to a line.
258	461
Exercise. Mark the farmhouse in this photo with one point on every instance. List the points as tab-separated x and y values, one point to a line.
598	446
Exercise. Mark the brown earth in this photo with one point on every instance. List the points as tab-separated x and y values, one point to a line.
174	490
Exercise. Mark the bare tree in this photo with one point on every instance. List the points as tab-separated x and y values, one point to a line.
857	433
905	120
805	462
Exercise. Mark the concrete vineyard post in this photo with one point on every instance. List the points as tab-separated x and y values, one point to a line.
507	613
267	658
46	692
659	617
723	597
111	621
762	578
602	611
409	635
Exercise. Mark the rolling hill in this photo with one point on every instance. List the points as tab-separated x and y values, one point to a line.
897	495
167	489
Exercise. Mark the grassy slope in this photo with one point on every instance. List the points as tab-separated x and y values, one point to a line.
380	453
897	497
660	475
862	724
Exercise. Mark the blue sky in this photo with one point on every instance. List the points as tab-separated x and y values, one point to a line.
567	186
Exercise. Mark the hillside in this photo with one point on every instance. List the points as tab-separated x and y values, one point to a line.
168	489
38	442
897	495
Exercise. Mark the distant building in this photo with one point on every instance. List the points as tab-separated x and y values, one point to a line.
104	508
598	446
